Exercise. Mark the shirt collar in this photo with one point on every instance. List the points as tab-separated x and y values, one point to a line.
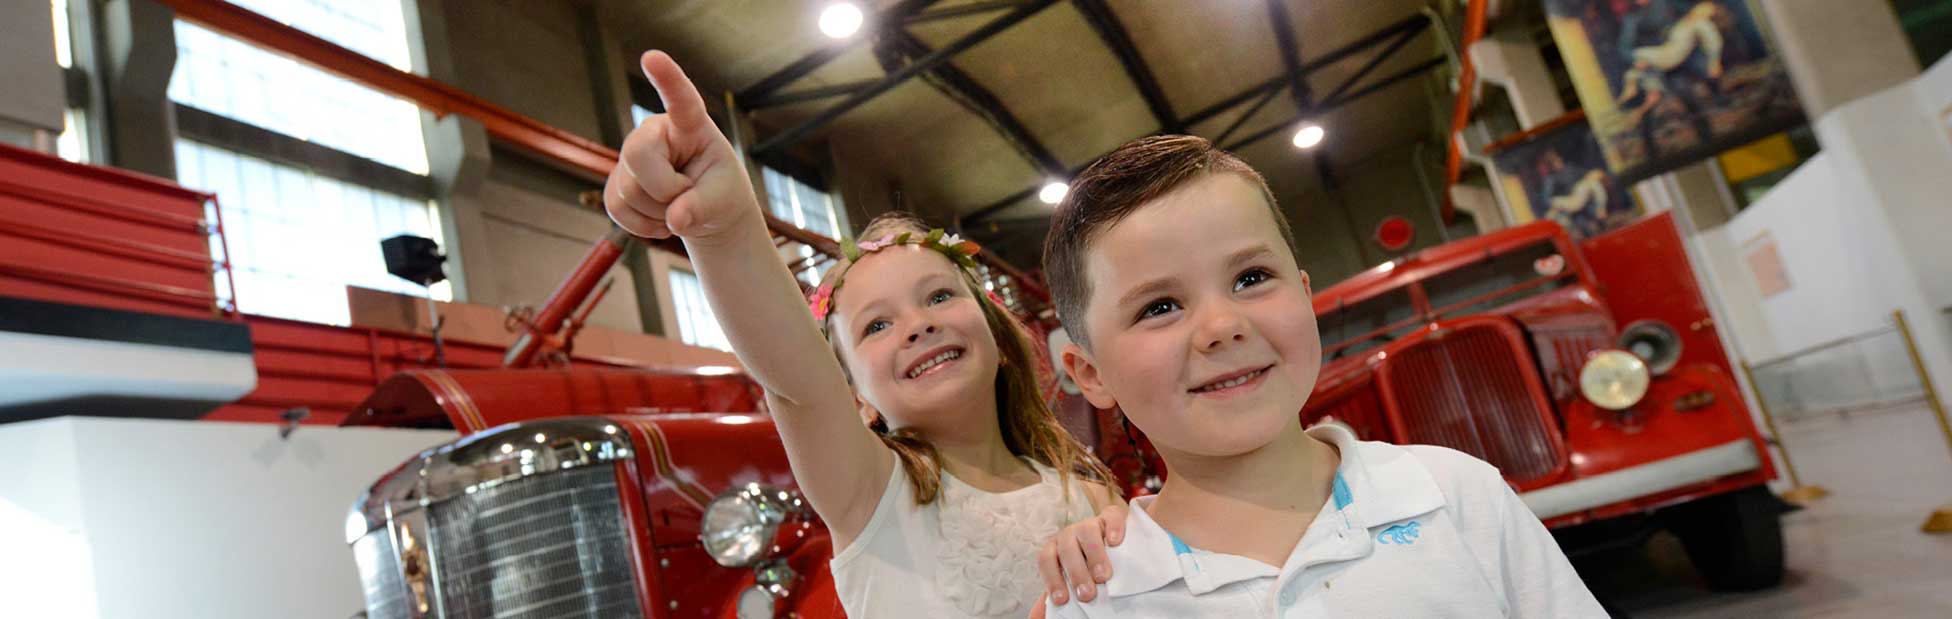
1375	484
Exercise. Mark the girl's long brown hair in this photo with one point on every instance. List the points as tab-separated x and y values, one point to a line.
1023	413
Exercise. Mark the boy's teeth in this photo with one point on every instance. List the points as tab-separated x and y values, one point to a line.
1233	382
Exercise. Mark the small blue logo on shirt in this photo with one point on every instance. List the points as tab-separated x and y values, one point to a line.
1400	534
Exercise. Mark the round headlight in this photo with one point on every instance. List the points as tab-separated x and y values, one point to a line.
1614	379
740	524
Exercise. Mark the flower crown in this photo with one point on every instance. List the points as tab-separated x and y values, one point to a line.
952	246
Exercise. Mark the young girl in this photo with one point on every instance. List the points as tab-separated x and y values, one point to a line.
941	480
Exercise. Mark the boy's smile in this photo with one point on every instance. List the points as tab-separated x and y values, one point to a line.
1199	321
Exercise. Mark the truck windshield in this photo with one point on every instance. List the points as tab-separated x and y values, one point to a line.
1497	280
1366	324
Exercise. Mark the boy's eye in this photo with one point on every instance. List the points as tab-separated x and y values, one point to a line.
940	296
874	327
1253	277
1160	307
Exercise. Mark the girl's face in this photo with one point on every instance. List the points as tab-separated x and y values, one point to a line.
913	337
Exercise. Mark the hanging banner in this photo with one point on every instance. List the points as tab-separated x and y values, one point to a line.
1559	174
1666	83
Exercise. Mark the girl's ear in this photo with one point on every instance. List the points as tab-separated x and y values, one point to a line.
1084	371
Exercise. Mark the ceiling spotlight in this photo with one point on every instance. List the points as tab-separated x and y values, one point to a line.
1053	192
1309	136
841	20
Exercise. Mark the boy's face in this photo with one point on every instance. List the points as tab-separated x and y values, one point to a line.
1199	321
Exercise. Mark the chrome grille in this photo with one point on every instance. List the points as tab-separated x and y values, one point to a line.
541	547
379	574
1467	391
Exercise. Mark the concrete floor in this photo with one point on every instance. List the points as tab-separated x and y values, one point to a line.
1857	553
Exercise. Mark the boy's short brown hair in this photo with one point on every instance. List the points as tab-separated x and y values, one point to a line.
1115	186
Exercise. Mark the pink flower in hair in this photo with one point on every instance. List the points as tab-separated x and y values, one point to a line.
868	247
822	302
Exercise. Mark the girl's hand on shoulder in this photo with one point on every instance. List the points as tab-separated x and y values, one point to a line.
1077	554
677	174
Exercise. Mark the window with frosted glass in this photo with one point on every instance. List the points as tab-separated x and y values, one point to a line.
801	205
72	143
696	324
224	76
298	239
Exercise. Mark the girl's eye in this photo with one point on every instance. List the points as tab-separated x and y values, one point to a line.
874	327
1160	307
940	296
1252	278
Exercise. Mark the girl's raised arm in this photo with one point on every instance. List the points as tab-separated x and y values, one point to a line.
678	175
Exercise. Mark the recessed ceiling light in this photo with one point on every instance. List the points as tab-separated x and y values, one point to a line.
1053	192
841	20
1308	136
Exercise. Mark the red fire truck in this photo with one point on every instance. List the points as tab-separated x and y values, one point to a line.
1588	372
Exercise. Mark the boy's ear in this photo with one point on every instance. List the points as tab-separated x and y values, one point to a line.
1084	371
1306	286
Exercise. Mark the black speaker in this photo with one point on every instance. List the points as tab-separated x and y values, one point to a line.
414	258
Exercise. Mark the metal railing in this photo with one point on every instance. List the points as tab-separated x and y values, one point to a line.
1862	372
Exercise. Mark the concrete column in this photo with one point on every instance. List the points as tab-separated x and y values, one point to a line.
140	44
1483	206
1839	51
34	96
1512	61
458	159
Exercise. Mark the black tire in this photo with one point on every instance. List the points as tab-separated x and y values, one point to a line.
1735	540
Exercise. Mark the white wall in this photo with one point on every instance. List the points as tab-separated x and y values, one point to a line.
114	518
1861	229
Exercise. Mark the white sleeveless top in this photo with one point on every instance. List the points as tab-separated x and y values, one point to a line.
969	554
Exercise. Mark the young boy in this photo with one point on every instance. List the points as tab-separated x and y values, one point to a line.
1175	273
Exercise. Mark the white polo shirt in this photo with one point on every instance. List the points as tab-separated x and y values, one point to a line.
1408	531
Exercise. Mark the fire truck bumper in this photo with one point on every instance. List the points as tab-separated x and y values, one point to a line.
1634	482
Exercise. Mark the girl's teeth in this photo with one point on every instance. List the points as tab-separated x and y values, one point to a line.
937	360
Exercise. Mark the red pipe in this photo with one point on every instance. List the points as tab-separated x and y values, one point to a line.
1460	111
573	291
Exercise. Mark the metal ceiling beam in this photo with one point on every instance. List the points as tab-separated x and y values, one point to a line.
819	58
810	94
1375	61
1413	22
1331	105
1116	37
965	89
961	10
1340	53
1266	98
1284	40
795	133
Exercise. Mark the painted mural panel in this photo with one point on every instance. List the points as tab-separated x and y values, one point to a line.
1561	175
1666	83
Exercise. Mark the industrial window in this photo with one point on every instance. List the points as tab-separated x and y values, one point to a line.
312	170
800	204
231	78
696	324
298	239
72	143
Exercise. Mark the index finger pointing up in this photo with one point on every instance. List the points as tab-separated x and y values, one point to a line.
681	99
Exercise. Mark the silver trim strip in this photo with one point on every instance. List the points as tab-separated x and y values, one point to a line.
1638	481
484	459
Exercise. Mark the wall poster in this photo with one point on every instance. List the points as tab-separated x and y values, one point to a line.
1666	83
